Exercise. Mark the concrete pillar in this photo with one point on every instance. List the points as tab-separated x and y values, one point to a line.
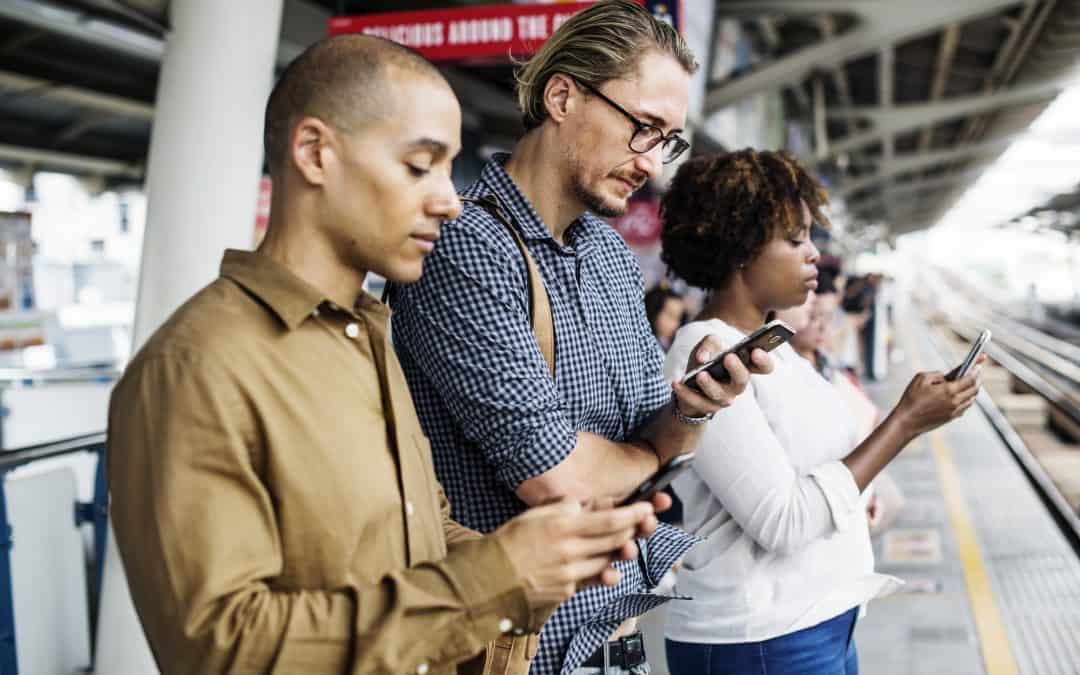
202	185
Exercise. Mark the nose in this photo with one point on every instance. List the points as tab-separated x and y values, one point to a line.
651	163
815	254
444	203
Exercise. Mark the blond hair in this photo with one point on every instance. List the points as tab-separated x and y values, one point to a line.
600	43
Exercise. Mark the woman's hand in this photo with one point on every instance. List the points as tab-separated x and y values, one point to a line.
930	400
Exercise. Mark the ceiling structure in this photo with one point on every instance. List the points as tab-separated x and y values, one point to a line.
78	79
1060	213
909	99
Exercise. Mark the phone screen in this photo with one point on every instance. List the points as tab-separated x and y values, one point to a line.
969	360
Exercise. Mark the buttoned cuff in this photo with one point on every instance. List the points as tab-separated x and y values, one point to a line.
662	550
489	587
841	492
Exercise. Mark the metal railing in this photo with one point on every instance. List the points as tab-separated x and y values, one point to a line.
1049	373
94	512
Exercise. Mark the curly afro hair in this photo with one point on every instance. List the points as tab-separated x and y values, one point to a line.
721	210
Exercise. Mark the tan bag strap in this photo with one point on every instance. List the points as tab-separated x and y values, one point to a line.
540	317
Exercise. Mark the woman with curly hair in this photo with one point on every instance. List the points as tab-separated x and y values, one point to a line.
777	482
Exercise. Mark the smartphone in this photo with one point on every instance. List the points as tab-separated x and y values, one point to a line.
969	360
768	337
660	480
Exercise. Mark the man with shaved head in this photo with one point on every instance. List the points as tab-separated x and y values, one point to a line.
273	495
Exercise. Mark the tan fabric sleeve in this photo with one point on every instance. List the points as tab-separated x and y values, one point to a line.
197	533
455	532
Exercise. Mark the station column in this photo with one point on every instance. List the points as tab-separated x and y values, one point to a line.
202	185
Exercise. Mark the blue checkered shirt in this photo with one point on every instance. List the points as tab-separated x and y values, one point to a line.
488	402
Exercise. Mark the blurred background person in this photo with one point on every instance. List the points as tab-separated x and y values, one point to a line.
814	321
665	309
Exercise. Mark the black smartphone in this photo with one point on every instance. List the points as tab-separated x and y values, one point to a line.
969	360
660	480
768	337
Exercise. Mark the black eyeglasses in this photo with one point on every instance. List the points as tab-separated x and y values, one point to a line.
645	136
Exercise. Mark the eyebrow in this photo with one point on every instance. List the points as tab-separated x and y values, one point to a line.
655	120
438	149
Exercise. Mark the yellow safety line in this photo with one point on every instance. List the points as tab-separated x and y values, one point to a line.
993	640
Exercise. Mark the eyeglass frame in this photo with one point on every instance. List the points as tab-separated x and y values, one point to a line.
683	144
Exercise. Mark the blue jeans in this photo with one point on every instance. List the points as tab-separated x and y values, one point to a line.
825	649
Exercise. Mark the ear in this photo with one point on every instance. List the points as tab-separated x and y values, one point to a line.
308	149
561	94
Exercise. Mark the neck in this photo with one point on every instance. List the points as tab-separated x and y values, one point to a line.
295	240
536	172
808	354
733	305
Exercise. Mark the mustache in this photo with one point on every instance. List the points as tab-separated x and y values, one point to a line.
636	179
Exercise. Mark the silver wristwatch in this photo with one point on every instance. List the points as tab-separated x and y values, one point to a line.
687	419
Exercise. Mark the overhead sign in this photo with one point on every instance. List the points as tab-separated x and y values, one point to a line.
466	32
641	224
481	32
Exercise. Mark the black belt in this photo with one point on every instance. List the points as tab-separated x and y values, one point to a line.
626	652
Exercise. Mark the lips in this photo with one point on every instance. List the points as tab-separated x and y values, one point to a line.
426	240
811	282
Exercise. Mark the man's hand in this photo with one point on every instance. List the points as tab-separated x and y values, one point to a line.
714	395
561	547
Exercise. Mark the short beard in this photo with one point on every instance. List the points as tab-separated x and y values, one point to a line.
591	200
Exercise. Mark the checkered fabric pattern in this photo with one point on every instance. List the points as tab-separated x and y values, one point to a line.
488	403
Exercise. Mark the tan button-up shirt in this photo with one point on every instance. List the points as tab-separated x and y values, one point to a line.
273	495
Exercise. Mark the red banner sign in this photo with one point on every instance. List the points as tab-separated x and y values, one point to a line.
467	32
640	225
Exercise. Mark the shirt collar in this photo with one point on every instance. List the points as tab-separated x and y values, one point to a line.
521	210
286	294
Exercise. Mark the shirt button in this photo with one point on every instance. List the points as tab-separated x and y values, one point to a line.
352	330
505	625
422	669
315	312
409	508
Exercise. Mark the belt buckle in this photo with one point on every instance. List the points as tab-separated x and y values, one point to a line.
633	650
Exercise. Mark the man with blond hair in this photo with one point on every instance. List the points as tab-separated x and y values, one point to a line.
517	418
273	496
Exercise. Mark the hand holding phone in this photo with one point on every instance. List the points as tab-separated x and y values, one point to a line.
767	338
660	480
969	360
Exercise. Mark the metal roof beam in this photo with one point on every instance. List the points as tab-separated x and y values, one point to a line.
86	98
302	24
922	160
882	22
893	194
888	120
70	162
78	24
950	39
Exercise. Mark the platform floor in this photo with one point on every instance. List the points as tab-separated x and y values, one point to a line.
993	588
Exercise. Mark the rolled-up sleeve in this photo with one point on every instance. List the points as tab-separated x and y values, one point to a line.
748	470
199	539
466	326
